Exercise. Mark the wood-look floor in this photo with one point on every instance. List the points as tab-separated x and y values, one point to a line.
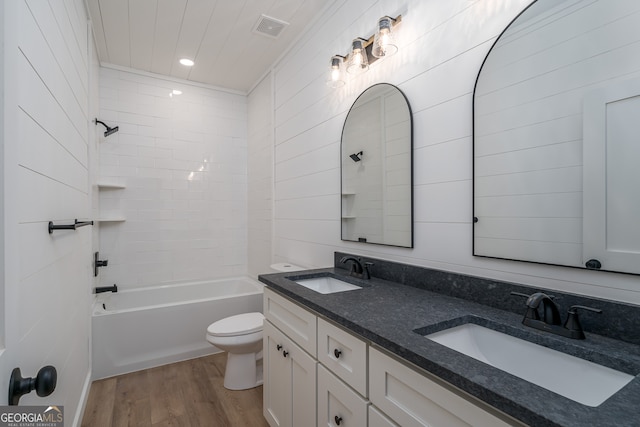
185	394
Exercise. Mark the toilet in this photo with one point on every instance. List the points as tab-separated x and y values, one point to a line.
241	337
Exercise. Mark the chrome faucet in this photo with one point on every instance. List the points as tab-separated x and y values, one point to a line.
550	321
356	267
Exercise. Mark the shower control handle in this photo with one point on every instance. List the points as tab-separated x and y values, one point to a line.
338	420
337	353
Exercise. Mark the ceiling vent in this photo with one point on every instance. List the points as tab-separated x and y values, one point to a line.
270	27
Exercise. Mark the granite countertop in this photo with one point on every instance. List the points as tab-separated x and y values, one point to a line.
387	314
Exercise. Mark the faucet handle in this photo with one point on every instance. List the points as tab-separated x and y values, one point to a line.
532	313
573	323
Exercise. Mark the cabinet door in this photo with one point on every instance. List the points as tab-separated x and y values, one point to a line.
289	392
276	392
413	400
338	405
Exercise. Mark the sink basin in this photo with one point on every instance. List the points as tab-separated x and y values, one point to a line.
326	285
582	381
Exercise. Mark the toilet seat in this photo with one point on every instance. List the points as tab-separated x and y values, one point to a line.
240	324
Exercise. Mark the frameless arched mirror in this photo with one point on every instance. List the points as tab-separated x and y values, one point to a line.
556	132
376	166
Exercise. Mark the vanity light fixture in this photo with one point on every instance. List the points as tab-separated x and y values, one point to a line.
336	72
358	62
383	41
365	51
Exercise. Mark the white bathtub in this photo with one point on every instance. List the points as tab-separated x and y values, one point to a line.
142	328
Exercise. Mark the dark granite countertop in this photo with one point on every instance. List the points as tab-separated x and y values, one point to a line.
387	314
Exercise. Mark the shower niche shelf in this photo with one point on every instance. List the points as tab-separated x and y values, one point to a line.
109	184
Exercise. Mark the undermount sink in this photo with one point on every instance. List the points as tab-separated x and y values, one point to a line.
585	382
326	285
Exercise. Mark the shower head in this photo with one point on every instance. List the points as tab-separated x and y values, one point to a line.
110	130
356	157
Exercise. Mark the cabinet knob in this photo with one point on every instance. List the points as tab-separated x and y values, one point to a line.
338	420
278	347
285	353
337	353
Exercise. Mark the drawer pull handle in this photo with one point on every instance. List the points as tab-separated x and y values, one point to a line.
278	347
337	353
338	420
285	353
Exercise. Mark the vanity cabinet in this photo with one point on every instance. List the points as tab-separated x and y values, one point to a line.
316	373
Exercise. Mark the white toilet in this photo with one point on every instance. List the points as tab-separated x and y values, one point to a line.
241	337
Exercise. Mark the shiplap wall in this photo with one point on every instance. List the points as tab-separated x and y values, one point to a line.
47	148
183	161
442	45
260	177
529	126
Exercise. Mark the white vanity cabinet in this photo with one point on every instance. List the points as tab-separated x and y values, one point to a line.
318	374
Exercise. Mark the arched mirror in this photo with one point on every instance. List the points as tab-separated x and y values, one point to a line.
376	166
557	137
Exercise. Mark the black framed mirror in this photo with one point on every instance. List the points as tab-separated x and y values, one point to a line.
376	169
556	107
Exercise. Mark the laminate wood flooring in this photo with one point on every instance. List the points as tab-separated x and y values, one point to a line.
183	394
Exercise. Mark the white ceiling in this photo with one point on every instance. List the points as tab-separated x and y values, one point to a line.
152	35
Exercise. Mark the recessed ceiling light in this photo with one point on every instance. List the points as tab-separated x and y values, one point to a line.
187	62
176	92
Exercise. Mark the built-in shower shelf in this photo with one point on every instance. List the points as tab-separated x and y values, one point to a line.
110	185
112	219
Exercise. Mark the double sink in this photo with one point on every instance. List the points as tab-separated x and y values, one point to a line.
577	379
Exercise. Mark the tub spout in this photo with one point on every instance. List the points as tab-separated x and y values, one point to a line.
101	289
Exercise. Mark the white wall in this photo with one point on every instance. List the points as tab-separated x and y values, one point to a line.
442	45
260	176
47	150
183	160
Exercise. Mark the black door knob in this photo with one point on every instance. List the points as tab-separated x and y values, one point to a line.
337	353
44	383
338	420
285	353
278	347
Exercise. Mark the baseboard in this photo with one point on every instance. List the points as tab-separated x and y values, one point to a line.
86	388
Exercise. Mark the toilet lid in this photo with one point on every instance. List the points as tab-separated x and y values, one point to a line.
240	324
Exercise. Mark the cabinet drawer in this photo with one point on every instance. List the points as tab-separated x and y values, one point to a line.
338	405
296	322
378	419
343	354
412	399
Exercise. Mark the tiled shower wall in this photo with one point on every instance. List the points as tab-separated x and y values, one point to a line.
182	159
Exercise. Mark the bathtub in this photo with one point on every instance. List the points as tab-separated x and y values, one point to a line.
142	328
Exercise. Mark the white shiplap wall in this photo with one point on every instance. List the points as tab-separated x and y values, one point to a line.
442	45
183	161
48	62
260	177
